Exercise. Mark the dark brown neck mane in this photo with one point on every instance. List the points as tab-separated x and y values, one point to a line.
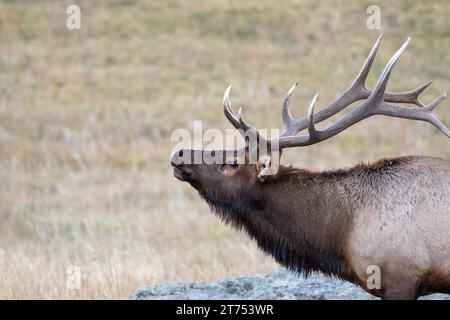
298	217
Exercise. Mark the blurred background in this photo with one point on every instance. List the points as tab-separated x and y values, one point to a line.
86	118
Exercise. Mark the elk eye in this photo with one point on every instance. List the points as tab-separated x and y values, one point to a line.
228	166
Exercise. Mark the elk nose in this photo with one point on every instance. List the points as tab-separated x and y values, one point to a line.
176	159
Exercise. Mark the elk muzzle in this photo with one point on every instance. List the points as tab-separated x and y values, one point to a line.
179	165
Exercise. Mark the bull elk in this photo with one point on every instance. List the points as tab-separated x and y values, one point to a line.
394	213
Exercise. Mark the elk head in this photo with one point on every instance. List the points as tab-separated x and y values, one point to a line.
235	173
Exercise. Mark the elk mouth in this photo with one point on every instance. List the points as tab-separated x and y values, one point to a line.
180	174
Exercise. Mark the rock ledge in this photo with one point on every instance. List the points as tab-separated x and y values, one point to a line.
280	284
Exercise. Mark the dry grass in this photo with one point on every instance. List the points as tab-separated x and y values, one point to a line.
86	118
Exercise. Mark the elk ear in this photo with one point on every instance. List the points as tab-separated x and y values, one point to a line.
268	165
264	167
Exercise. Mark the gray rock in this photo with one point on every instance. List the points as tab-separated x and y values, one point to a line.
280	284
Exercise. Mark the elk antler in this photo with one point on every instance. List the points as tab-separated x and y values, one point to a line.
376	103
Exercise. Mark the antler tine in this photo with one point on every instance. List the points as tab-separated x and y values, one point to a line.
409	96
438	124
435	103
360	80
288	120
243	125
380	86
313	133
228	110
236	120
375	104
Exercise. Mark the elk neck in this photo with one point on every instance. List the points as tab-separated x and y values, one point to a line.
299	217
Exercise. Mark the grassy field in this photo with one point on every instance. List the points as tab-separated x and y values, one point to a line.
86	118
